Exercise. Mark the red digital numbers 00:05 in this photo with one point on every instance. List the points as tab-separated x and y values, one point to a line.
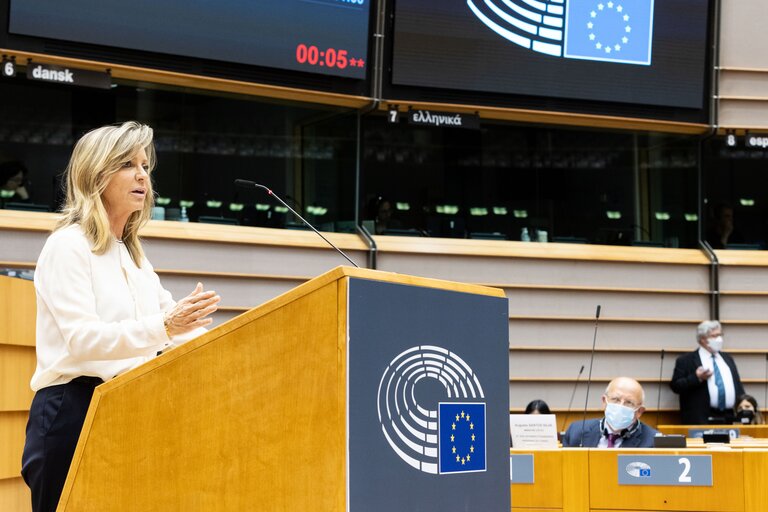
330	57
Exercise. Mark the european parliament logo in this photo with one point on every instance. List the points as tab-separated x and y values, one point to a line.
446	439
618	31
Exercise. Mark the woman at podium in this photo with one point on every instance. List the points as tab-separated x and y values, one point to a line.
101	309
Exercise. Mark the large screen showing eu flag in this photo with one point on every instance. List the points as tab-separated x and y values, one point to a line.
646	52
329	37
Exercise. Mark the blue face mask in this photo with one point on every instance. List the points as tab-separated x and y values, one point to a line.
618	416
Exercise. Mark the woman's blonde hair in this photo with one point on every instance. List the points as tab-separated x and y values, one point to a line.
98	155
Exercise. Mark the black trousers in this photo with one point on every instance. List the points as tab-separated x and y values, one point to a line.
55	421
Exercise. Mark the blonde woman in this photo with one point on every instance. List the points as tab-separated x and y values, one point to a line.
100	307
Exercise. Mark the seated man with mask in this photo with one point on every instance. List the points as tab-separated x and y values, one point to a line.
621	427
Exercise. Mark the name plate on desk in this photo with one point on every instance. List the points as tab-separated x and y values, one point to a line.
686	470
521	469
733	433
530	431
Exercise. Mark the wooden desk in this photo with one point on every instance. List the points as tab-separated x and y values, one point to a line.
744	430
560	481
577	479
726	493
755	476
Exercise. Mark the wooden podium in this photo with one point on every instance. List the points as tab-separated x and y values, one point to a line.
256	413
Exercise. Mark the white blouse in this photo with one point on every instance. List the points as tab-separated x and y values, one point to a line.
97	315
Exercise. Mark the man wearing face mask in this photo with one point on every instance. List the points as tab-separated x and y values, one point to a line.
706	379
621	426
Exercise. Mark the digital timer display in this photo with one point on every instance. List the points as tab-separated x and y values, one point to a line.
330	57
329	37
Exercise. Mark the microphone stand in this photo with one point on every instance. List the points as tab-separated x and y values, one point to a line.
570	402
589	379
658	397
765	397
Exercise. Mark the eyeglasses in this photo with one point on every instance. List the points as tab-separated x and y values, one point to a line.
620	401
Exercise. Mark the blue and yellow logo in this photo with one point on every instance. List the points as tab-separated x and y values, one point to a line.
462	437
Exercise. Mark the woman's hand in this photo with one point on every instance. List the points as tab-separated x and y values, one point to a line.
191	312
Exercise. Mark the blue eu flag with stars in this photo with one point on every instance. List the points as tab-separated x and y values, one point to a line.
462	437
609	30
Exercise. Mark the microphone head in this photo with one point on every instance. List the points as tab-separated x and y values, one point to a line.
597	313
251	184
244	183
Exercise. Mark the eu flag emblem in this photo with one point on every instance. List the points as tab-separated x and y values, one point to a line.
462	437
609	30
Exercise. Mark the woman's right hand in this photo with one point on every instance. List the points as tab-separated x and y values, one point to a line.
191	312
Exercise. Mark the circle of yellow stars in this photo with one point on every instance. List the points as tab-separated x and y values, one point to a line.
468	456
627	28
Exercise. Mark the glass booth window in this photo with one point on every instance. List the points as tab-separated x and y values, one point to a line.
305	153
735	202
529	183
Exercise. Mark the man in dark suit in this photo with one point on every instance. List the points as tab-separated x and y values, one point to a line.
706	379
621	426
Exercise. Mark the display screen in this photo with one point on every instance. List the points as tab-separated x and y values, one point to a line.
647	52
318	36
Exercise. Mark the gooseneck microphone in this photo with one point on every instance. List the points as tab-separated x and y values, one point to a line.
765	397
253	184
589	378
658	397
570	402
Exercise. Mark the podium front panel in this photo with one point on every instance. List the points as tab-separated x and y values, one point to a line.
427	399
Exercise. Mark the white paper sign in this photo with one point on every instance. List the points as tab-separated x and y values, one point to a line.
533	430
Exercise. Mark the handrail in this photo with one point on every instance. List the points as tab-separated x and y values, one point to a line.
372	247
714	280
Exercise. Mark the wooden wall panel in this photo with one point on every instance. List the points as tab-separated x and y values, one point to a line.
498	271
240	290
14	495
557	394
744	307
743	34
12	428
744	335
17	364
651	298
606	365
17	311
578	333
246	258
743	278
615	304
755	476
743	76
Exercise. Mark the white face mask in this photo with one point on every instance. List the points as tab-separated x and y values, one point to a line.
715	344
